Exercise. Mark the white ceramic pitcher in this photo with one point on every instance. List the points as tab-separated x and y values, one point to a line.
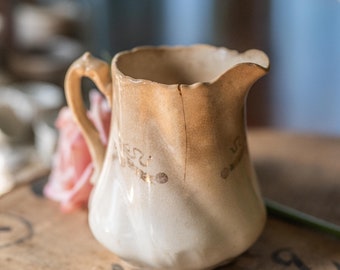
175	188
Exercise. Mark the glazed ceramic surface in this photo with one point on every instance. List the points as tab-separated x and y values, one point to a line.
175	188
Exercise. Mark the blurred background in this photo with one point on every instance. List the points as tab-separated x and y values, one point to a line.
39	39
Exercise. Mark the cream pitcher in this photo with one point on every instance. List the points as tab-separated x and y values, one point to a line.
175	188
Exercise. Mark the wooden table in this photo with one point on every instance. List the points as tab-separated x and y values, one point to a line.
302	171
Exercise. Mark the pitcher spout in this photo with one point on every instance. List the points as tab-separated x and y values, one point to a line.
247	69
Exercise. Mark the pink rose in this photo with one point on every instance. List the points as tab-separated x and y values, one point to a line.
69	181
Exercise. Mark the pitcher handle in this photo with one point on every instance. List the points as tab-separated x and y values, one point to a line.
99	72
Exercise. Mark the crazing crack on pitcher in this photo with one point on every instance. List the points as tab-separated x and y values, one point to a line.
175	188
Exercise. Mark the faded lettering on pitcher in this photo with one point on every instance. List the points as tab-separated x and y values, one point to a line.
136	155
237	150
136	160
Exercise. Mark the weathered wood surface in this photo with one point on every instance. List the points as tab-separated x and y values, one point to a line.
298	170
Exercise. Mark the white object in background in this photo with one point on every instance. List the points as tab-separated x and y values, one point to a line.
44	96
16	115
46	136
23	107
46	99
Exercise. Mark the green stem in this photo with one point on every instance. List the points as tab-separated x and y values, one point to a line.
290	214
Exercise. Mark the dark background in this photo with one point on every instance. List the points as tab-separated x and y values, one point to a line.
302	39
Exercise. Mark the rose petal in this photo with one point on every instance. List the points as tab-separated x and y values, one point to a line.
69	181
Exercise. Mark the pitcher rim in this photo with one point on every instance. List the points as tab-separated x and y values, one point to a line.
115	59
